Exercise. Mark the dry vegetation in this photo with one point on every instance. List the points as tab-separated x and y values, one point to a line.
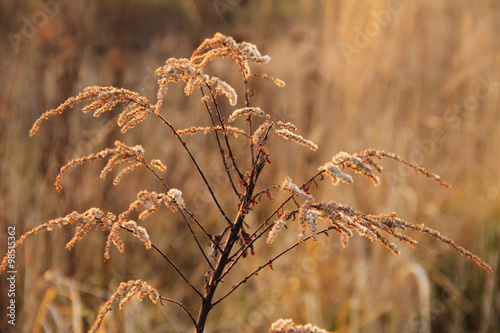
424	84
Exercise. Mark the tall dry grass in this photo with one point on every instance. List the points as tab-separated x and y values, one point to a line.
393	95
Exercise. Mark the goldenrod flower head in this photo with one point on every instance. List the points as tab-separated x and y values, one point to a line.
256	111
289	186
124	294
335	173
278	225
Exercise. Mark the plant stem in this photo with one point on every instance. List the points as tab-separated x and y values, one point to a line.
224	260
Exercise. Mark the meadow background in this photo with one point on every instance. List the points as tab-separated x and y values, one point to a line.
417	78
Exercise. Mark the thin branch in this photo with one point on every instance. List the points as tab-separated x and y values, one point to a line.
303	186
274	187
266	264
254	238
249	118
171	263
185	219
181	305
238	254
166	122
196	240
224	133
232	238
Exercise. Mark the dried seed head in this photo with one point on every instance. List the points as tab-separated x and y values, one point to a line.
229	130
357	164
256	111
260	133
289	135
289	186
139	232
223	88
176	195
158	164
335	173
125	292
307	217
119	155
277	226
105	99
221	46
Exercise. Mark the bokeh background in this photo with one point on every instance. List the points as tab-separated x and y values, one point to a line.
417	78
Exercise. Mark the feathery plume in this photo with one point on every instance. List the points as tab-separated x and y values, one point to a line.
256	111
221	46
307	217
289	186
289	135
158	164
277	226
175	70
119	155
105	99
125	292
335	173
229	129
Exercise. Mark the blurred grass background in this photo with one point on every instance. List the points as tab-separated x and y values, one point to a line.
417	78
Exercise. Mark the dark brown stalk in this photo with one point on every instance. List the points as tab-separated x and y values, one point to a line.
224	260
256	235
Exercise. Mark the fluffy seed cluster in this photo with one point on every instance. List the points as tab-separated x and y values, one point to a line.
152	201
285	130
138	232
277	226
221	46
256	111
335	173
119	155
262	132
358	164
294	189
347	221
192	75
288	326
137	107
125	292
364	164
84	222
94	217
190	71
158	164
289	135
307	218
229	130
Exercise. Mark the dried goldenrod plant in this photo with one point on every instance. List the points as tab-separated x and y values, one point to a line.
232	242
